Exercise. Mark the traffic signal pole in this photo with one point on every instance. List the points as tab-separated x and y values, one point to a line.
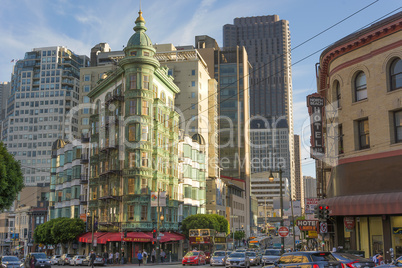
157	234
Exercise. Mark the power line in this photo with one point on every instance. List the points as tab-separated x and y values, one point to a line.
276	58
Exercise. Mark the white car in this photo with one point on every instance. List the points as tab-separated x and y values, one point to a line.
55	260
77	260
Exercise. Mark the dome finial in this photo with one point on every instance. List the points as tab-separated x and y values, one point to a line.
140	18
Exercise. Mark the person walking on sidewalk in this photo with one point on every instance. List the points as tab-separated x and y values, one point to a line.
117	255
144	256
111	257
153	255
105	256
139	256
163	255
92	258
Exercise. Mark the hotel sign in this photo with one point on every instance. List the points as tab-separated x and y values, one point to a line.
316	106
307	225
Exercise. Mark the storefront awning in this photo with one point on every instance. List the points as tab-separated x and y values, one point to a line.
171	237
110	237
370	204
138	237
87	237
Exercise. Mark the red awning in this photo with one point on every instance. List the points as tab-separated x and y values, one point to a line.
369	204
110	237
87	237
137	237
171	237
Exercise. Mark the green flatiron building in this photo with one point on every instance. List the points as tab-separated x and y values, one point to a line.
133	146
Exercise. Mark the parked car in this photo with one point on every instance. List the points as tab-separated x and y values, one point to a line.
395	263
54	260
269	256
10	262
194	257
65	259
314	259
254	257
77	260
98	260
350	260
41	260
218	258
238	259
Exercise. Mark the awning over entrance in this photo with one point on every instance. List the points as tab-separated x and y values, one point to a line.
110	237
370	204
87	237
138	237
171	237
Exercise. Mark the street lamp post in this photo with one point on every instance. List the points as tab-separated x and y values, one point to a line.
271	179
233	229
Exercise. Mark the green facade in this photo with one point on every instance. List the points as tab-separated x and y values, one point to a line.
134	135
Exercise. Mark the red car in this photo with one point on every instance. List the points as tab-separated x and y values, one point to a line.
194	257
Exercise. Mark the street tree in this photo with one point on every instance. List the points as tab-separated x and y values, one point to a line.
11	178
59	231
204	221
66	230
239	235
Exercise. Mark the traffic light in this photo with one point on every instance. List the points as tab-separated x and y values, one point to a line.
326	213
154	234
125	233
320	212
153	242
316	212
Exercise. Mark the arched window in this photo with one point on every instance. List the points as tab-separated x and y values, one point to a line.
395	73
337	94
360	87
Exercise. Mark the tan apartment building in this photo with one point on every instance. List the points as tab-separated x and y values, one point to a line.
360	76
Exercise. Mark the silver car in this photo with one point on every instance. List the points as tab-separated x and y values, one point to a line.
269	256
254	257
218	258
238	259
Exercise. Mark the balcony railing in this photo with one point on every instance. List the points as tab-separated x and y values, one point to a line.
84	179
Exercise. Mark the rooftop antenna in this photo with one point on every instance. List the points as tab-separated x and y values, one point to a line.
140	5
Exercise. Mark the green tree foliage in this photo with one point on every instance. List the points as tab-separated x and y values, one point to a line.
11	179
205	221
60	230
239	235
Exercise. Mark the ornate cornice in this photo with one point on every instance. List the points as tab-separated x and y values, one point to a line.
353	42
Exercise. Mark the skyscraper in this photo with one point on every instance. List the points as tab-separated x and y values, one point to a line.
229	66
44	87
267	41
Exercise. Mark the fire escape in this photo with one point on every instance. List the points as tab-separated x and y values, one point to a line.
110	188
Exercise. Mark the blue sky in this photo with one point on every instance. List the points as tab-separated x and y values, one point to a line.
80	25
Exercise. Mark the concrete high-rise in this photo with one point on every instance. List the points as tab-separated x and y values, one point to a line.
4	93
299	184
267	41
229	66
310	187
44	87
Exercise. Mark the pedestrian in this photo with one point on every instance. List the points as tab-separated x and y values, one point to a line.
163	255
111	257
92	258
153	255
117	255
139	256
32	262
105	256
380	259
144	256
